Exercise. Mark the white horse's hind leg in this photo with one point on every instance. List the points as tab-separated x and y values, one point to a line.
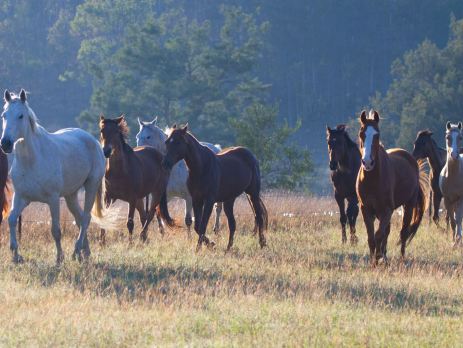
18	206
55	227
73	205
91	189
218	210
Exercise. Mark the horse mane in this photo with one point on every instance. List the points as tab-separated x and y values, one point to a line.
425	132
350	142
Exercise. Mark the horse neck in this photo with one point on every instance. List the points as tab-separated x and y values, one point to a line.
453	166
119	159
378	171
28	149
194	159
436	158
347	163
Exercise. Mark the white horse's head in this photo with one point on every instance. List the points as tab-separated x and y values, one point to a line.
453	138
150	134
18	119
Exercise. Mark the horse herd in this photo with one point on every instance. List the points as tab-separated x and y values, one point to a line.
382	180
48	166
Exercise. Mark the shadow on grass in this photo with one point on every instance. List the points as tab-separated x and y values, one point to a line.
173	284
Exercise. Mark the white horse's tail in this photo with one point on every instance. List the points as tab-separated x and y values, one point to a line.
107	217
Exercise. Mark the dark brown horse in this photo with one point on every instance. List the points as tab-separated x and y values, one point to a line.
217	178
344	164
425	147
132	174
387	180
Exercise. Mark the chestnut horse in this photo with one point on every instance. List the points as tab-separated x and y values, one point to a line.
132	174
387	180
217	178
344	164
425	147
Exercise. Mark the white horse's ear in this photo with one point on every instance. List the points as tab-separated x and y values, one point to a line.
140	123
7	96
448	126
155	121
376	116
22	95
363	117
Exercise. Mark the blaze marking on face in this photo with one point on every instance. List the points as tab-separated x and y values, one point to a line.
370	132
453	136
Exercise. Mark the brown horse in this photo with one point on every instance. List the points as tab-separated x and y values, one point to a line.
217	178
387	180
132	174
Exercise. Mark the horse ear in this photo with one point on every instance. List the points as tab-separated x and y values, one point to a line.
448	126
119	119
459	125
7	96
363	117
376	116
174	126
101	117
185	128
328	130
22	95
155	121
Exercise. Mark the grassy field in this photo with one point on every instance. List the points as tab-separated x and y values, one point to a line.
305	289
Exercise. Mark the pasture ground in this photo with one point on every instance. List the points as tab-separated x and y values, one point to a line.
305	289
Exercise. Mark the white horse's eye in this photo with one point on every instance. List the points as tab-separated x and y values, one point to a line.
21	116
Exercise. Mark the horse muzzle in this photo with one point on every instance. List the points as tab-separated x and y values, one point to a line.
7	145
107	151
368	165
333	165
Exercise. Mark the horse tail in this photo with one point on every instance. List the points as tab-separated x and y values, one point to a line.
421	202
163	211
105	215
7	196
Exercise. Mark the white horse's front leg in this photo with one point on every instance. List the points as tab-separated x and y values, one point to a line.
19	204
55	227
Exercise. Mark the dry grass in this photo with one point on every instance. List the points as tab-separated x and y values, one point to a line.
305	289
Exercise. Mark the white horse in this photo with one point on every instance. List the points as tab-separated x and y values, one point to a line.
48	166
451	179
150	134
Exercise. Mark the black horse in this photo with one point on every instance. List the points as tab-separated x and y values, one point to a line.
217	178
344	164
425	147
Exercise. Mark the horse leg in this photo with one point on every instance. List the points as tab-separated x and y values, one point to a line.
218	210
19	204
458	218
141	212
54	206
405	230
228	209
436	199
431	206
198	212
343	217
352	213
369	220
256	203
207	210
451	216
380	235
20	227
188	209
72	203
108	202
130	223
384	243
149	216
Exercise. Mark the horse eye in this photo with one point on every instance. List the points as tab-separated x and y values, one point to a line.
148	137
20	117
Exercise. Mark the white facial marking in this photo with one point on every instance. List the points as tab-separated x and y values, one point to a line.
454	147
370	132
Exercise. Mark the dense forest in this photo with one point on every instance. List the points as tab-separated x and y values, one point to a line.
239	70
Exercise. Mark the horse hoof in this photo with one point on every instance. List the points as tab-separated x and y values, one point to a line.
353	240
263	244
17	259
211	245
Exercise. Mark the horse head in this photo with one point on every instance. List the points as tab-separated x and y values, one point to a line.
453	139
176	145
150	134
369	139
423	145
18	118
113	133
337	144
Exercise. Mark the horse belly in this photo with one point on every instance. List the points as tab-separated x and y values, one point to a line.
232	184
